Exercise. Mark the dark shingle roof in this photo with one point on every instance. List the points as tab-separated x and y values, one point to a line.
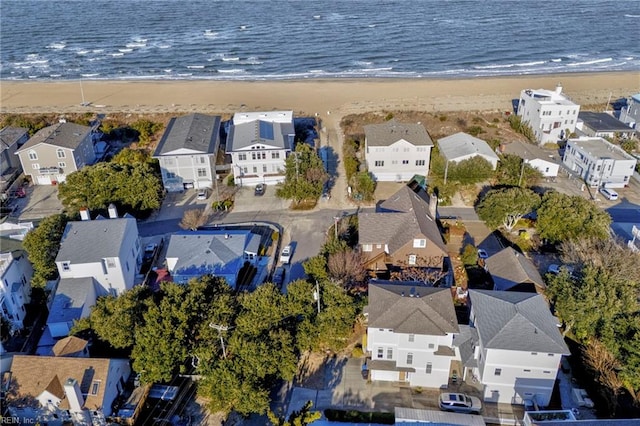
392	131
603	122
65	135
398	220
516	321
194	132
10	135
509	268
430	311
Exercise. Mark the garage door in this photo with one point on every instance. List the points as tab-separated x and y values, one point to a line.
384	376
44	180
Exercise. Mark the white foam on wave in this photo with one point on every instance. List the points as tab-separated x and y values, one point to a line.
363	63
115	55
228	59
556	60
164	46
517	64
125	50
251	60
210	33
195	67
317	16
591	62
97	51
90	75
136	44
232	71
82	52
628	15
57	45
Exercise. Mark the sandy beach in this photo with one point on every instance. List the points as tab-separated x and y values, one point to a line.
341	96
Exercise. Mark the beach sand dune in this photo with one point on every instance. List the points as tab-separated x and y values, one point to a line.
307	97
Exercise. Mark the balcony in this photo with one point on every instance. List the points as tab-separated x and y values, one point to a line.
50	170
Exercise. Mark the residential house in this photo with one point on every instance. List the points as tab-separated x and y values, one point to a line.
73	301
222	253
259	143
187	152
411	416
513	271
625	225
630	115
551	114
542	160
52	390
107	250
395	152
410	334
519	347
11	138
603	125
15	287
71	346
599	162
55	151
402	233
462	146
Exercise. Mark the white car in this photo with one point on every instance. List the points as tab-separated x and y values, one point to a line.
285	255
609	194
203	194
460	403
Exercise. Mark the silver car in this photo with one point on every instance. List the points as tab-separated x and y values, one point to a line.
460	403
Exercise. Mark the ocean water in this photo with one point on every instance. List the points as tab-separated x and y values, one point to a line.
311	39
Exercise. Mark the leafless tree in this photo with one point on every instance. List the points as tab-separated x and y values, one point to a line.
604	365
610	255
193	219
347	266
426	276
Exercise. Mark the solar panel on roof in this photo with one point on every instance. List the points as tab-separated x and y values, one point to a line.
266	130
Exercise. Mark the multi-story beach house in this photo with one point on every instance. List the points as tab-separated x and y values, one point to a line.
107	250
259	143
410	334
599	162
551	115
546	162
630	115
11	138
396	152
15	287
55	151
187	152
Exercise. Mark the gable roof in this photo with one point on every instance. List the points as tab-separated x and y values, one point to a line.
275	134
70	299
64	135
10	135
462	144
69	346
412	309
399	219
515	321
35	374
509	268
88	241
603	122
195	132
529	151
390	132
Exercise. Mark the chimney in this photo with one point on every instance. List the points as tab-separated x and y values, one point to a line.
85	214
74	395
113	211
433	206
558	89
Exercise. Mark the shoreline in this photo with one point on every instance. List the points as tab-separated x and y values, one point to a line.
306	96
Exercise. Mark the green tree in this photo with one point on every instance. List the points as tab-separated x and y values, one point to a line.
130	157
564	217
365	185
146	130
302	417
470	171
42	245
305	175
513	171
504	207
316	268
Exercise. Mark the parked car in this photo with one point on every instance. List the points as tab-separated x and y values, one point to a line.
555	269
460	403
203	194
278	276
149	252
609	194
285	255
260	188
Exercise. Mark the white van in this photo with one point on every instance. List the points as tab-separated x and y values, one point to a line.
609	194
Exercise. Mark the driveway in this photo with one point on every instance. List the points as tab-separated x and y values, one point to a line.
41	201
247	201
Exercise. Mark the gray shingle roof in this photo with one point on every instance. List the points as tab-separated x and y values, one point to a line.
196	132
273	134
430	311
10	135
88	241
392	131
516	321
71	296
603	122
462	144
510	268
398	220
65	135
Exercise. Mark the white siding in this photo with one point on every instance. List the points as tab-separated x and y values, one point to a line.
387	163
250	172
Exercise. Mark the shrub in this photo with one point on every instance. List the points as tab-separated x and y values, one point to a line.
389	116
357	352
469	255
475	130
443	118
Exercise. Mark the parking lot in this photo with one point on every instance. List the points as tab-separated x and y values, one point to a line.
247	201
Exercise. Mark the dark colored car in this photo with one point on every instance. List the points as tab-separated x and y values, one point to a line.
278	276
260	188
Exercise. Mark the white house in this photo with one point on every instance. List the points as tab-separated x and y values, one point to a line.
105	249
462	146
75	389
630	115
518	348
551	115
15	287
395	152
602	124
72	301
599	162
259	143
187	152
410	334
546	162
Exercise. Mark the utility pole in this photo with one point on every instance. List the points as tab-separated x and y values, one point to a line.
316	295
336	219
446	171
521	172
220	329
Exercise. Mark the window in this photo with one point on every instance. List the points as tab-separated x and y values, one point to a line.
534	353
264	168
412	259
379	163
498	371
202	172
412	337
378	246
367	247
547	372
527	371
405	161
33	155
171	175
168	161
253	155
431	346
36	166
264	155
409	358
95	387
419	162
550	354
419	243
380	353
203	160
429	368
111	263
66	266
275	155
255	169
62	164
389	353
245	170
60	153
242	157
